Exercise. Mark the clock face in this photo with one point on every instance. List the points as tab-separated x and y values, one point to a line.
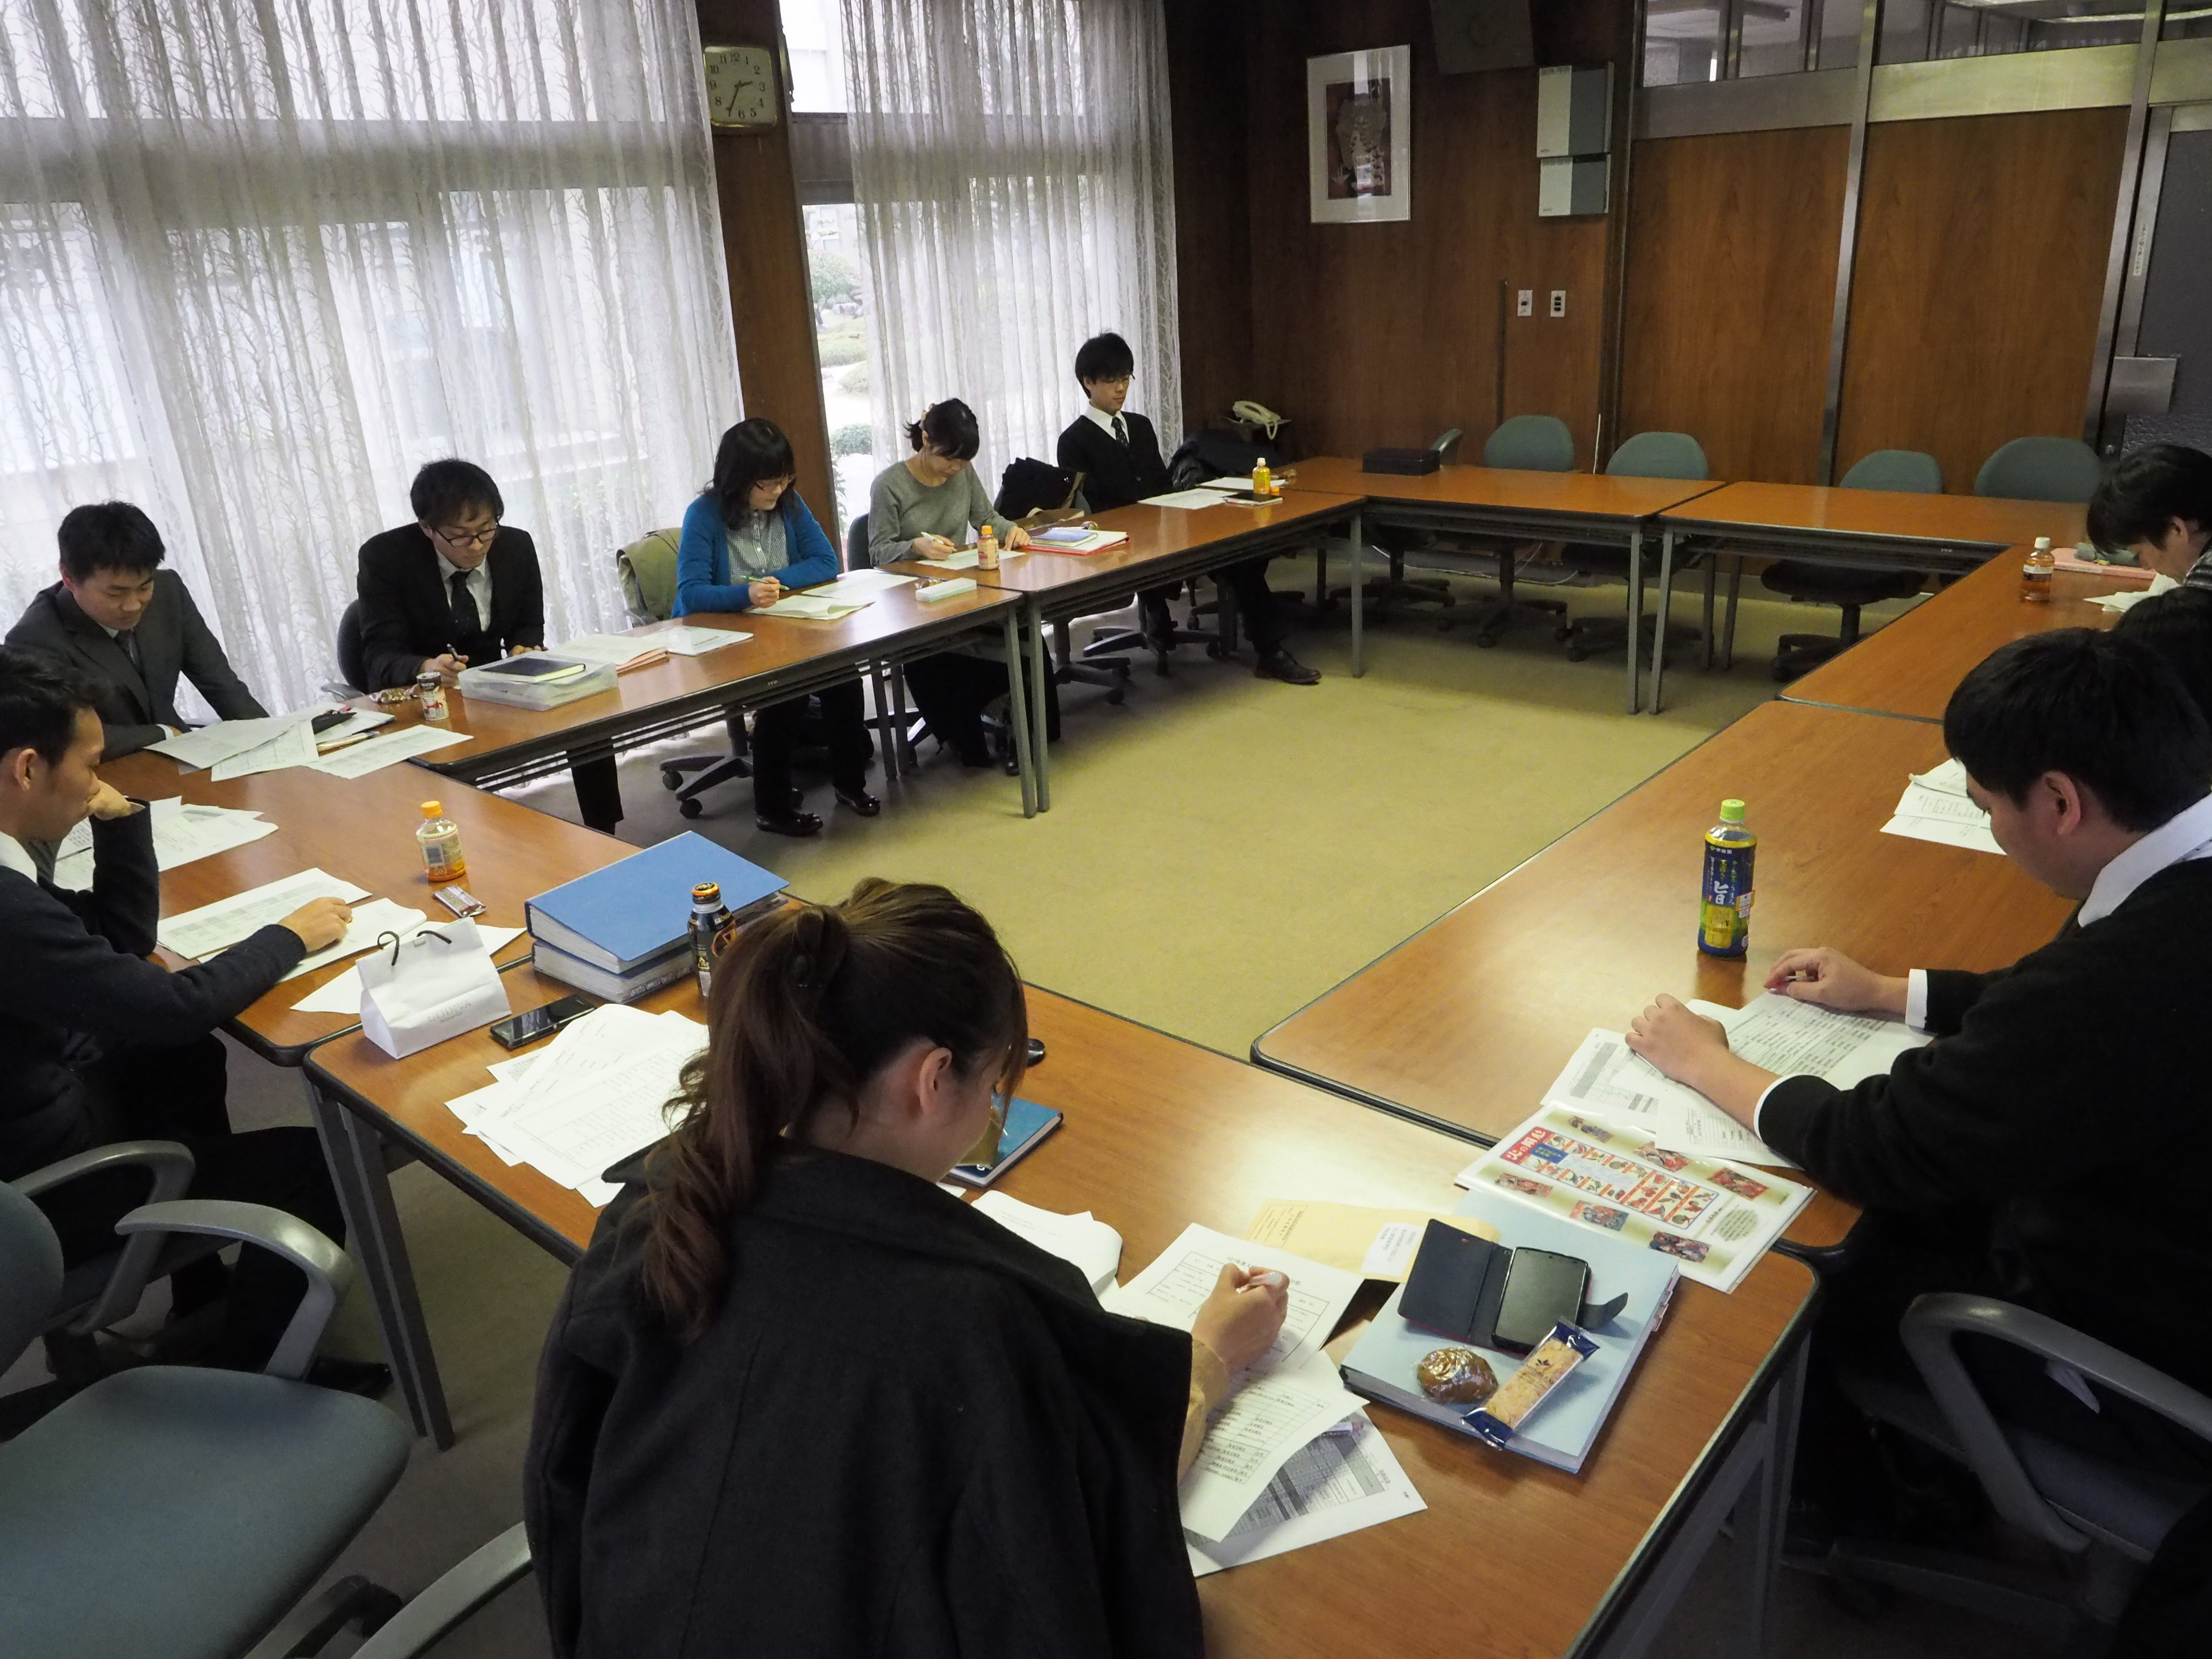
741	90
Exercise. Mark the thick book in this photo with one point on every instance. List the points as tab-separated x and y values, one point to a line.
1562	1429
632	912
1026	1124
641	980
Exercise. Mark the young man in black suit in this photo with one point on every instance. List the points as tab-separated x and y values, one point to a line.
99	1044
1119	455
2013	1156
2157	504
117	615
454	587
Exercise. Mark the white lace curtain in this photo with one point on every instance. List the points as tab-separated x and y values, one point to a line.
260	261
1012	167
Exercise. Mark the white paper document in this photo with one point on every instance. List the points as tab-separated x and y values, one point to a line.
217	927
1200	496
1936	807
182	834
608	650
341	992
817	606
683	640
1170	1291
1337	1483
1948	779
1094	1247
292	744
371	921
1259	1428
386	749
1945	832
870	581
203	748
2117	603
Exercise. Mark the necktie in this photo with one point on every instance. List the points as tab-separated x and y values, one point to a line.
466	623
1120	432
131	649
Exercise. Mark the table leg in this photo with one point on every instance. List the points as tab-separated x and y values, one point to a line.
1659	624
899	721
1712	584
356	1154
598	789
1321	576
877	679
1728	627
1018	717
1763	1517
1358	599
1635	616
1040	710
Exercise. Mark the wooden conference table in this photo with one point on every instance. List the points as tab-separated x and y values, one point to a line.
1166	546
1466	1025
1874	529
783	657
1909	668
362	830
1510	1556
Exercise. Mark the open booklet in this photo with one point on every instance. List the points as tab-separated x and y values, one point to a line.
1605	1080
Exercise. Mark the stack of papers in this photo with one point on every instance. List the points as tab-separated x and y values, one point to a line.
181	834
597	1093
1337	1483
1935	808
292	744
240	749
210	744
1075	538
615	651
198	934
1094	1247
856	582
2128	599
1608	1082
816	607
373	754
1198	497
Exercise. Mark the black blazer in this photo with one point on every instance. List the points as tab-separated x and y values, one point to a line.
75	976
908	1434
406	610
1115	476
2054	1088
173	640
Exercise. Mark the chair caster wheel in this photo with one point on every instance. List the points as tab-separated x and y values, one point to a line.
671	778
691	809
1487	641
1117	697
1575	655
1215	652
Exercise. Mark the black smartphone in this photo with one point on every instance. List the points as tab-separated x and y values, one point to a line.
1036	1051
518	1029
1542	1289
327	719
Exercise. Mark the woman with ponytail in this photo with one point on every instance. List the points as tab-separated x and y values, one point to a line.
797	1399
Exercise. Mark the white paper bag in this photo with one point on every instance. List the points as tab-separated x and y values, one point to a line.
434	984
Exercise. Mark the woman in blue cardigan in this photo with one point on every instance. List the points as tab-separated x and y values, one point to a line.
746	539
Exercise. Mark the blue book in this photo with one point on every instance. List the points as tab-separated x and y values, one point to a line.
1562	1429
1026	1124
628	914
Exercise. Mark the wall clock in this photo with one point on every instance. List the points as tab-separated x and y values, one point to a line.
742	94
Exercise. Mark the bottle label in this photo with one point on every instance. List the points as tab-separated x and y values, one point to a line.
442	859
1724	919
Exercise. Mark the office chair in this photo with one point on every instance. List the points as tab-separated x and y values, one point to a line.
1906	471
646	570
181	1512
1646	455
353	674
1522	443
2104	1520
1027	487
2041	469
1393	542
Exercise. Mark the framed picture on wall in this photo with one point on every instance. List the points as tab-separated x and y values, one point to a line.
1359	135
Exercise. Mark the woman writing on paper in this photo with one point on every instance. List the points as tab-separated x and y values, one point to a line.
799	1399
923	507
746	538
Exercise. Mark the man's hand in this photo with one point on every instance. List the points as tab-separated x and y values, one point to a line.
764	592
446	667
1242	1316
1017	538
523	650
107	802
1832	980
1692	1049
320	923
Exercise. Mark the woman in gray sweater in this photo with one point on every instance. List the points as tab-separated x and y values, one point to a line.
922	508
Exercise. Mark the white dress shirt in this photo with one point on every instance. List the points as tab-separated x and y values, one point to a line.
478	585
2187	834
1100	417
14	855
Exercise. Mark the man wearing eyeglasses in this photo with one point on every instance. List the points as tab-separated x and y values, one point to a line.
454	587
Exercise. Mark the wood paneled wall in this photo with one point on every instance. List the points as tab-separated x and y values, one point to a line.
1981	263
1213	233
764	243
1731	294
1384	333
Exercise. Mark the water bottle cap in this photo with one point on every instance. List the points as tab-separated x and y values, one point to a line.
2043	543
431	809
706	892
1731	811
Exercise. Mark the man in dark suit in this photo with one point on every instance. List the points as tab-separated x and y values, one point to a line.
1119	455
118	617
454	587
98	1043
2013	1156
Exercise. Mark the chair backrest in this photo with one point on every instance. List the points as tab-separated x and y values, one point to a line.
2041	469
647	570
1913	471
30	1273
856	544
1532	443
350	667
1659	455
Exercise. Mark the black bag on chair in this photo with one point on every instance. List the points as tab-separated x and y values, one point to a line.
1029	485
